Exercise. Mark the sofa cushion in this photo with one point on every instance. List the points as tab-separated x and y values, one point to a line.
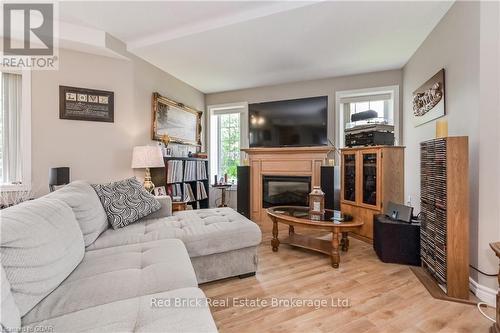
118	273
204	231
41	245
10	319
137	315
86	206
125	201
165	210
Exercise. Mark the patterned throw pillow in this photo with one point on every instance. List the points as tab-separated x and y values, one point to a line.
126	201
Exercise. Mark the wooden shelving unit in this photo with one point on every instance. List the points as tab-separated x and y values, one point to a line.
159	177
371	177
444	199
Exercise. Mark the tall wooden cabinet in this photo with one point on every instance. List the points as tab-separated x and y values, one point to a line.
371	177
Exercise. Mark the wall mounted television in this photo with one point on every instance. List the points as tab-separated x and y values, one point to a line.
290	123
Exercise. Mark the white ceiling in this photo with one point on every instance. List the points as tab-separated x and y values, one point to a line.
219	46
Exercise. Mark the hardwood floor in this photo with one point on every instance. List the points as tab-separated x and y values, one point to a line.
382	297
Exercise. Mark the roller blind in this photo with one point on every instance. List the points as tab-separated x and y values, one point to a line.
366	98
10	127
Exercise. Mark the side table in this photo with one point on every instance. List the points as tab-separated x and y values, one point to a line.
178	206
223	188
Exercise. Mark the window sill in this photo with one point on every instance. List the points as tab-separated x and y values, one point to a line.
14	188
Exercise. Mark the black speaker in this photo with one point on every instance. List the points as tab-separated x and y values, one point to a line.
365	115
58	177
243	194
330	184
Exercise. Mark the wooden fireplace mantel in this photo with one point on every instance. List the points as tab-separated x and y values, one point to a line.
286	161
288	150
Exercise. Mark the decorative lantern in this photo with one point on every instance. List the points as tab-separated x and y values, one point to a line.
316	203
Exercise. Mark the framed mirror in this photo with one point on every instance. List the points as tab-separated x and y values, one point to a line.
180	122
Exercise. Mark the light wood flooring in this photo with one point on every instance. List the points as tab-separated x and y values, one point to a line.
383	297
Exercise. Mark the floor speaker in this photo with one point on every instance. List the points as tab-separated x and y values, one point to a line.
330	184
243	194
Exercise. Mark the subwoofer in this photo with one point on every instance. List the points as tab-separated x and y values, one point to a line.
243	194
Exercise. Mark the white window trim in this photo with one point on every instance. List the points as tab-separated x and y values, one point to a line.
339	114
242	109
25	133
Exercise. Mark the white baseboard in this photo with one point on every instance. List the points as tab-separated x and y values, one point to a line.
484	293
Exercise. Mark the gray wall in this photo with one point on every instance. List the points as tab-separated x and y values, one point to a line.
454	45
323	87
95	151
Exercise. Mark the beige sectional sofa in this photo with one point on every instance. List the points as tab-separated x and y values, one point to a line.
64	270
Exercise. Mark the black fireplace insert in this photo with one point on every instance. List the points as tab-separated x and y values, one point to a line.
285	191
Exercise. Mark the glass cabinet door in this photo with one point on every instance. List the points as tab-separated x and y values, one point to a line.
349	177
369	179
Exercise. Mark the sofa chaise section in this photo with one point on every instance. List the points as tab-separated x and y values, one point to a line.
220	242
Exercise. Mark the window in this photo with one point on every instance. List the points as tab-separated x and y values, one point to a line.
381	104
227	136
15	130
384	101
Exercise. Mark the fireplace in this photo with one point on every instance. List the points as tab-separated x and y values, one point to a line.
285	190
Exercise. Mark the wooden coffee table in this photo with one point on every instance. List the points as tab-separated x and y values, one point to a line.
299	216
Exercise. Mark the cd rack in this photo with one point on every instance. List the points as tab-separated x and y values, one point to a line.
444	232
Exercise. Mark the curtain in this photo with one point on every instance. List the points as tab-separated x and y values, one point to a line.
11	128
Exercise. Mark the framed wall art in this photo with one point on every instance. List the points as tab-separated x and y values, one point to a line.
429	100
86	104
181	123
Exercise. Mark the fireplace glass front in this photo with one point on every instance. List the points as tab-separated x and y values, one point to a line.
285	191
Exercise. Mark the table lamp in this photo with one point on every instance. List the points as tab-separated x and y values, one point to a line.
147	157
58	177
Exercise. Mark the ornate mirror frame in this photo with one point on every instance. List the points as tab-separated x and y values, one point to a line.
158	102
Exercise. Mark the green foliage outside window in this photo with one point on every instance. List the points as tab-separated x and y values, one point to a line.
229	145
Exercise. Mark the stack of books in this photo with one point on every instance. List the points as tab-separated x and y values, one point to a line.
188	193
174	172
201	170
190	171
174	190
201	192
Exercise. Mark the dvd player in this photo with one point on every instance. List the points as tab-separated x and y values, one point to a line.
370	138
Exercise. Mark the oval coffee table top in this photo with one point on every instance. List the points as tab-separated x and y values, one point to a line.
300	215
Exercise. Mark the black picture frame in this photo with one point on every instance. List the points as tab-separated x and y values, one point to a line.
86	104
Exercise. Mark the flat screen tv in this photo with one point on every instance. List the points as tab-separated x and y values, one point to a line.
289	123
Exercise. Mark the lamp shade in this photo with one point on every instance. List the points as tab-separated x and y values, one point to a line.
147	157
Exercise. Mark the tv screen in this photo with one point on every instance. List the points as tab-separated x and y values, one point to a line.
290	123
